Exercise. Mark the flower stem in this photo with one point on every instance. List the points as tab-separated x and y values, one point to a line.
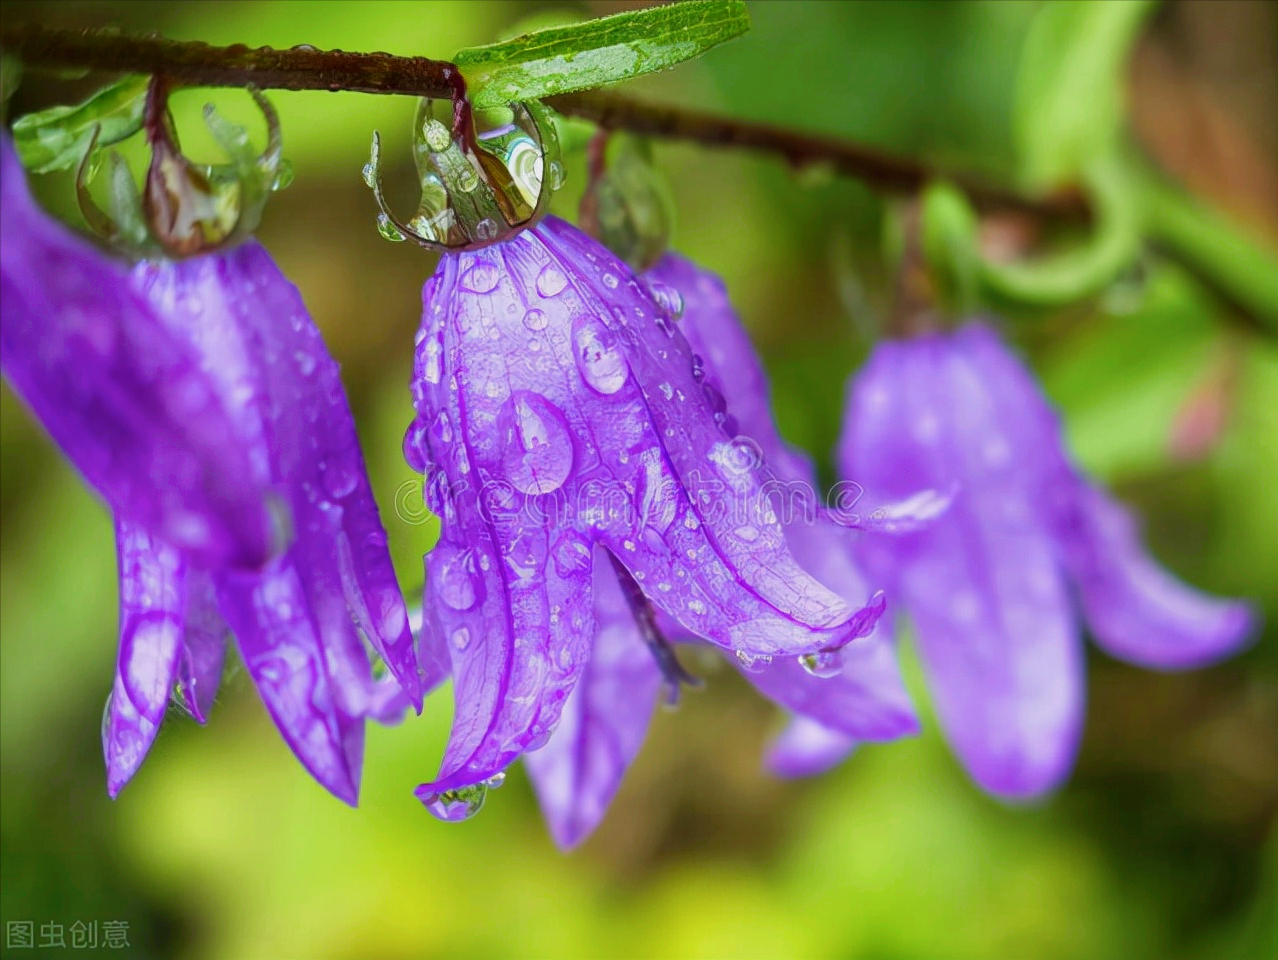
192	63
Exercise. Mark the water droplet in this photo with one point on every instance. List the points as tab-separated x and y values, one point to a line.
454	806
667	391
496	780
443	428
436	135
666	297
486	229
717	403
537	448
431	368
823	664
571	555
459	584
747	533
481	278
388	230
610	281
551	281
599	358
467	180
698	368
752	663
284	175
556	177
535	319
305	362
461	638
338	478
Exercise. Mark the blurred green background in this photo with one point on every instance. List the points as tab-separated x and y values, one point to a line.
1162	846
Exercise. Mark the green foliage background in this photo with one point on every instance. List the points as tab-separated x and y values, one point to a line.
1162	846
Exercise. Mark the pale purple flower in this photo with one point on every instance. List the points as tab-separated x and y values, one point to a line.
124	396
995	586
298	619
854	693
559	411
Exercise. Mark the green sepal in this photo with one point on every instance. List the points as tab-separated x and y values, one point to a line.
949	240
578	56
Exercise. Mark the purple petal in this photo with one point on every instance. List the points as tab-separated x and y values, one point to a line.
203	647
1136	610
577	773
282	647
152	610
997	636
866	699
805	748
123	395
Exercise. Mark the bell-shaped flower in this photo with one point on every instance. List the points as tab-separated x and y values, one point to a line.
559	411
852	692
125	397
996	585
300	620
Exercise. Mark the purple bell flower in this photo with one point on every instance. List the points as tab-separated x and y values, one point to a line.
853	693
298	619
198	399
559	411
988	585
124	397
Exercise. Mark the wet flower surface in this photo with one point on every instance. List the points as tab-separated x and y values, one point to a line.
988	585
559	412
850	693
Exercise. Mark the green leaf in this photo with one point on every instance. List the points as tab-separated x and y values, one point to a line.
581	55
1069	89
56	139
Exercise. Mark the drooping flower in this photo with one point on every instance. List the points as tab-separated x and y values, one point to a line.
988	585
559	412
124	397
853	693
298	619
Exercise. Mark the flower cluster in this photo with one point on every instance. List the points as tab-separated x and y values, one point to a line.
598	444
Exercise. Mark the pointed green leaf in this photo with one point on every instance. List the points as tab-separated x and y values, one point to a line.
594	52
55	139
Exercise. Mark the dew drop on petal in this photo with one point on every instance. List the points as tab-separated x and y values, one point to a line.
535	319
496	780
666	297
599	357
823	664
481	278
537	448
459	585
461	638
454	806
339	479
551	281
416	453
